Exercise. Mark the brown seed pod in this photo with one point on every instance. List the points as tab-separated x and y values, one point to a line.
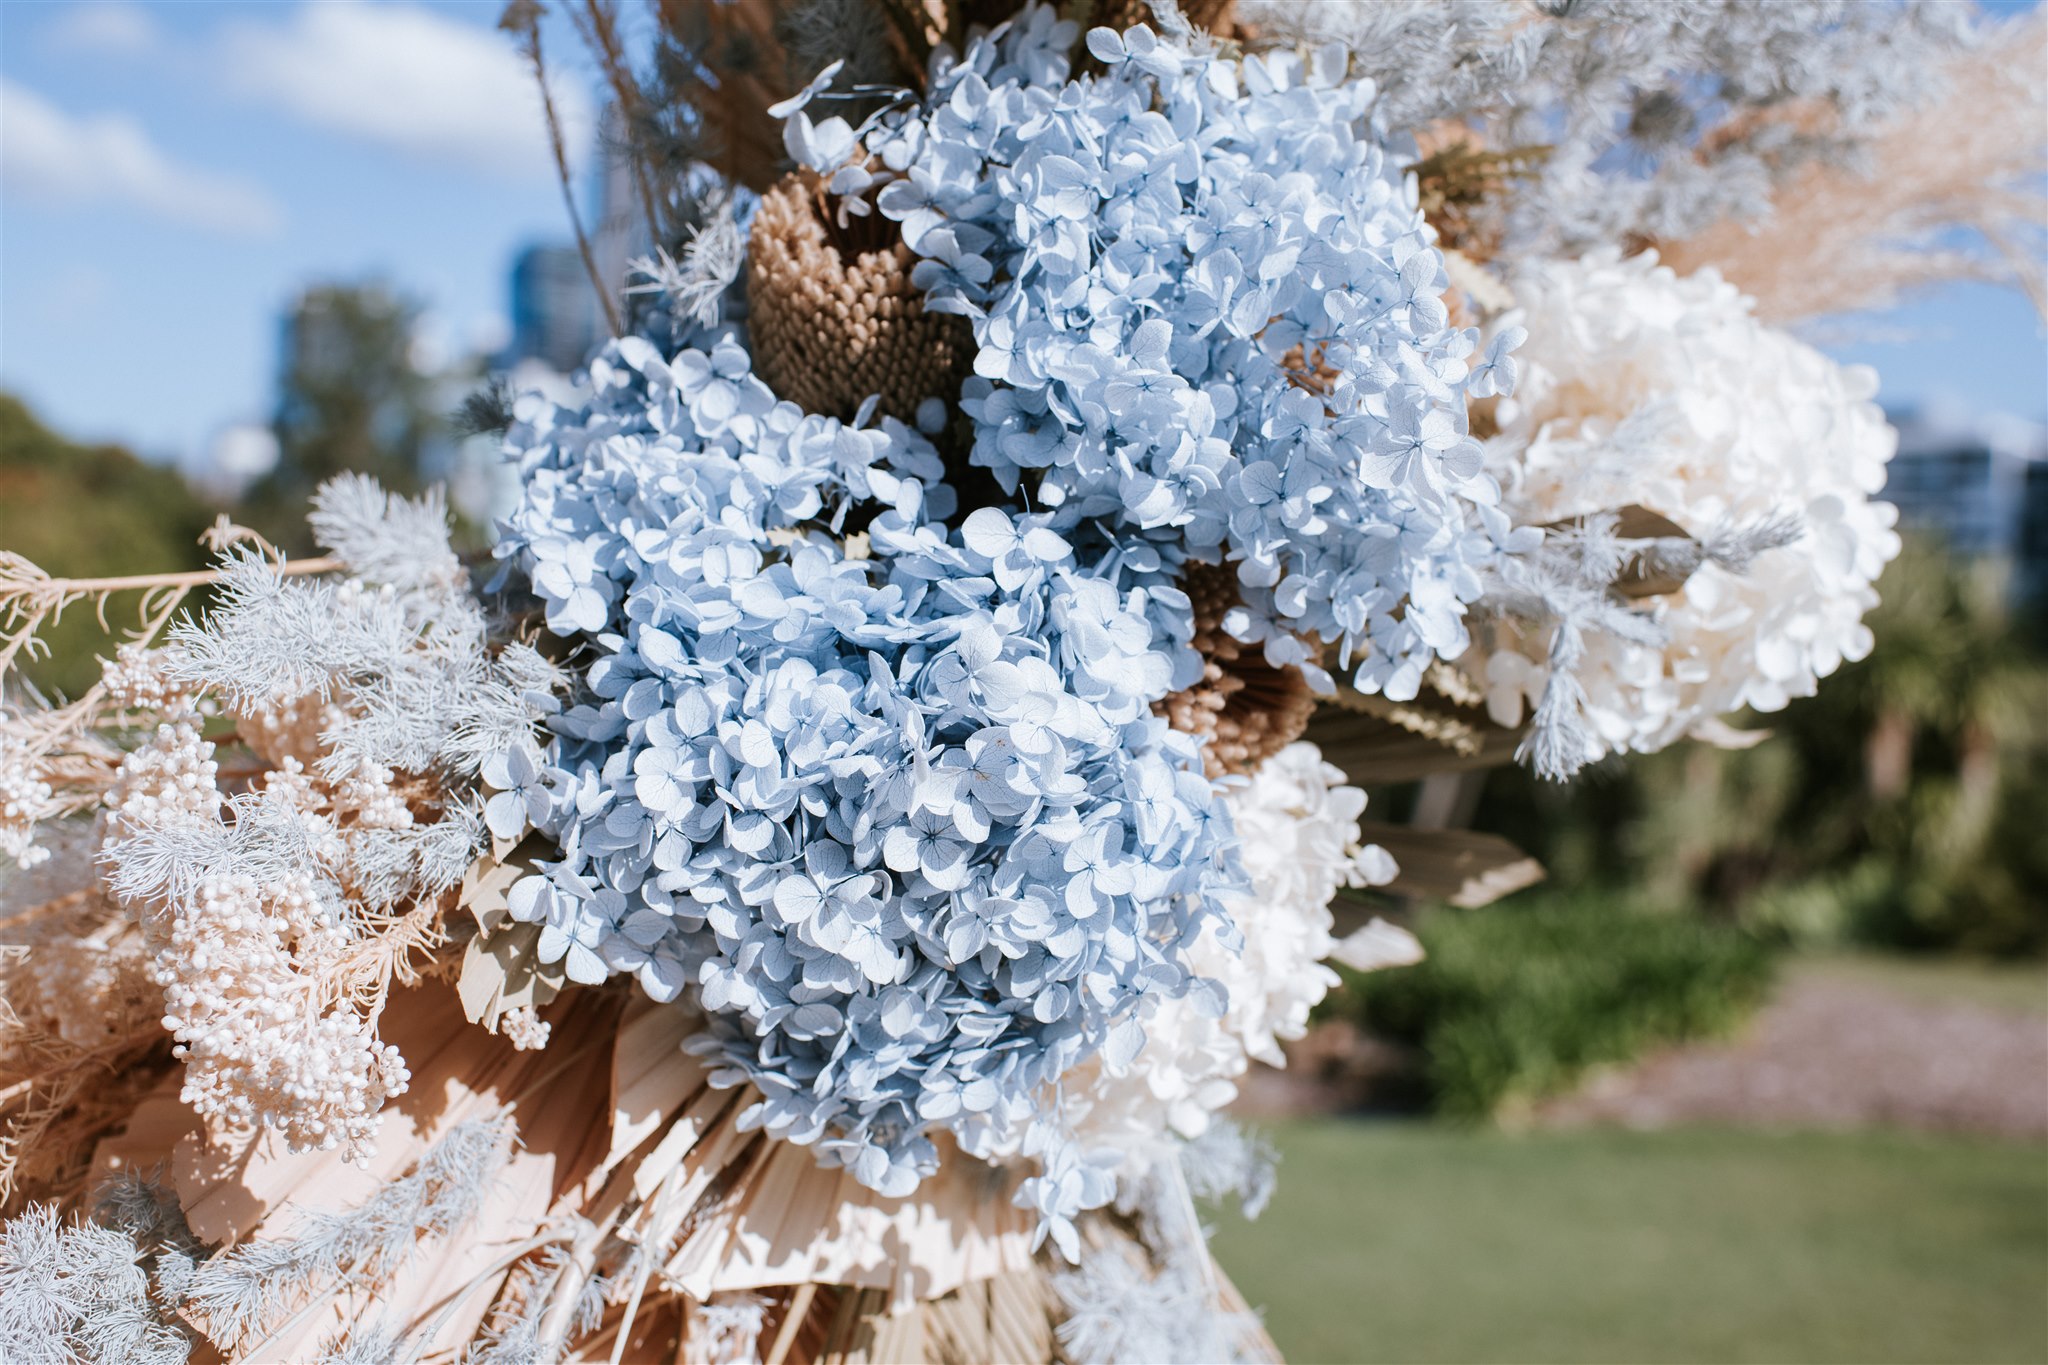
1246	708
834	315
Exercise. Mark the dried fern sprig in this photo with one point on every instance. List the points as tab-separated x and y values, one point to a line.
31	599
79	1294
53	761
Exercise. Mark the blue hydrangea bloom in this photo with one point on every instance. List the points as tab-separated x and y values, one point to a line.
903	818
1209	322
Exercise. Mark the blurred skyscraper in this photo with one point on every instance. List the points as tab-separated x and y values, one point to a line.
555	316
1981	484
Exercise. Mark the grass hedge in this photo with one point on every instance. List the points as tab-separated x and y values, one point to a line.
1517	999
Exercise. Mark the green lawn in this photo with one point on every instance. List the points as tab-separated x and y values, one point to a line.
1410	1242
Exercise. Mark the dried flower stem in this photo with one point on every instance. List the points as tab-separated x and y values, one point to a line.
29	598
598	25
524	22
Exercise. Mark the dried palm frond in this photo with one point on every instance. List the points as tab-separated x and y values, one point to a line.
593	1233
1459	866
1970	162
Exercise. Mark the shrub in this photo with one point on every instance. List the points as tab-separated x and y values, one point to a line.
1516	1000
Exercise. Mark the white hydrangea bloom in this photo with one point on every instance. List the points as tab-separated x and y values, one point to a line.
1641	387
1298	824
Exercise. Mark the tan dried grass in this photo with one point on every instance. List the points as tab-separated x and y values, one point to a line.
1972	161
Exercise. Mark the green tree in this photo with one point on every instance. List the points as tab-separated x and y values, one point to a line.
349	398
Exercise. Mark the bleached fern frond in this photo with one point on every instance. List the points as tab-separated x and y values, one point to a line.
79	1293
251	1287
384	538
695	284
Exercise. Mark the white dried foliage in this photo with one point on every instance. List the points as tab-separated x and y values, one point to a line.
694	286
1230	1163
120	1289
79	1295
279	913
377	1343
512	1333
1154	1300
726	1328
1660	116
249	1287
383	538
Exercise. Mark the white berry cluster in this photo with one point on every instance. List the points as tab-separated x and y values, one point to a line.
24	798
257	1046
136	680
242	959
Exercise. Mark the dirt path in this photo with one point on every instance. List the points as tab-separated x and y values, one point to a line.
1836	1051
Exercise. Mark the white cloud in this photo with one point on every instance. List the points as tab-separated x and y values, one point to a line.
111	27
409	79
238	455
49	155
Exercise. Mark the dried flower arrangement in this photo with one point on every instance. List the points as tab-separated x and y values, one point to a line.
815	903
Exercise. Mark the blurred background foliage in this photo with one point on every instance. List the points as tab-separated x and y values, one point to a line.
80	511
1517	999
349	398
1902	807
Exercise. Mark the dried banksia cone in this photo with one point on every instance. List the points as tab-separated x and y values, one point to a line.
834	315
1247	709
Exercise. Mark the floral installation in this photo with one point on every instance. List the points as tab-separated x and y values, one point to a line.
817	894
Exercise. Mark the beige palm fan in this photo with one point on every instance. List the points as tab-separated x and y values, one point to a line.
598	1199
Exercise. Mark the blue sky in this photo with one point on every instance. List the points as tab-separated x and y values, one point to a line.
245	150
173	174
